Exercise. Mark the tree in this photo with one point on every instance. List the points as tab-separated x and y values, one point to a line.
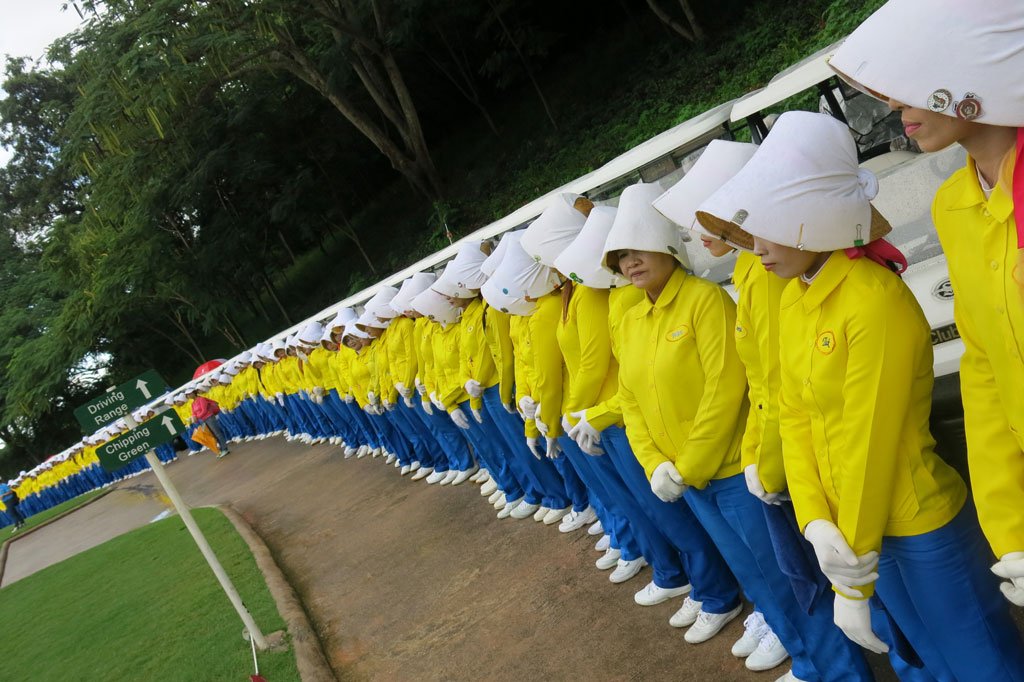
693	32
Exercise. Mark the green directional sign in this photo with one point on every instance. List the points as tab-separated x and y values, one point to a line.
133	444
105	408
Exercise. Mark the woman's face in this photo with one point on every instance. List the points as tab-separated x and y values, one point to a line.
461	302
375	332
716	247
785	261
329	345
647	270
931	130
352	342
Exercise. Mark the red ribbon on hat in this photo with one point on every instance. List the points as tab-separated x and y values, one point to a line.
882	252
1018	187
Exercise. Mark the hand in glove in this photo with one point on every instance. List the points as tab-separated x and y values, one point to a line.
280	399
755	487
1011	567
477	415
541	426
460	419
420	388
407	400
510	408
370	409
349	398
437	403
474	388
388	405
534	447
318	391
528	407
585	435
554	449
372	397
844	569
402	390
667	483
853	616
427	407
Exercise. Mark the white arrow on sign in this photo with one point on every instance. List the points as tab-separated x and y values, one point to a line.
168	423
141	385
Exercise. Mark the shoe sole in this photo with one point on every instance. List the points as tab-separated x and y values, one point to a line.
732	616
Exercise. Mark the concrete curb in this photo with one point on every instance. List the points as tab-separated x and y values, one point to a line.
44	524
309	654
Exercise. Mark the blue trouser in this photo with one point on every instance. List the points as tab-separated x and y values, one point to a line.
574	488
488	450
940	591
734	520
456	440
615	523
408	427
539	478
713	583
11	502
436	454
368	434
391	439
343	425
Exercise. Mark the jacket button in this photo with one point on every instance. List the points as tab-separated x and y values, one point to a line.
994	265
807	382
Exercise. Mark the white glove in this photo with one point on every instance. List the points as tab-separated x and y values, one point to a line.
528	407
318	391
583	428
667	483
844	569
420	388
1011	567
853	617
280	399
402	390
531	443
428	408
477	415
319	400
388	405
541	426
554	449
349	398
459	417
407	400
510	408
372	397
755	487
437	403
370	409
474	388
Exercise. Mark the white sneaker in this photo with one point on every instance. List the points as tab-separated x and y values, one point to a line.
709	624
436	476
686	615
499	500
422	473
509	507
349	451
489	488
604	543
652	594
627	569
376	452
464	475
789	677
556	515
363	451
575	520
406	469
450	476
414	466
769	653
541	512
609	560
524	510
754	629
596	529
480	476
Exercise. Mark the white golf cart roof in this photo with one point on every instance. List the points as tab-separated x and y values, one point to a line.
804	74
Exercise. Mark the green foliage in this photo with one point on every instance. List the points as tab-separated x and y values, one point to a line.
143	606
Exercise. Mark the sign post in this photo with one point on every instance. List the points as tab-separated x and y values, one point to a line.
140	440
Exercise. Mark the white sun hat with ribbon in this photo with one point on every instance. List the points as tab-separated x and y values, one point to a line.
581	260
640	227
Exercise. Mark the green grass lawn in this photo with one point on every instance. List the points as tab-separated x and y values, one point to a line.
143	606
48	514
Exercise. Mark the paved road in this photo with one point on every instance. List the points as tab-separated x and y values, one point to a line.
406	581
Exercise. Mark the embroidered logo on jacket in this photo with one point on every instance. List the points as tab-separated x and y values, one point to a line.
826	343
741	332
678	333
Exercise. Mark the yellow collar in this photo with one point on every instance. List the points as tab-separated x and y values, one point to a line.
828	279
672	287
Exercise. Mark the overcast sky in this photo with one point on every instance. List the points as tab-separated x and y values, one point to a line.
27	27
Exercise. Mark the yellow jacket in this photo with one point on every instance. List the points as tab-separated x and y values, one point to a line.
550	376
757	342
586	347
382	365
519	330
979	238
290	373
447	379
609	412
856	362
403	360
497	329
361	373
475	358
425	355
681	384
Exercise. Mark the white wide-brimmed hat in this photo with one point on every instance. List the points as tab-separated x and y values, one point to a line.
640	227
278	344
802	188
352	329
245	357
433	306
369	320
462	277
328	335
958	58
555	228
581	260
490	265
312	333
344	316
378	305
411	288
520	276
505	303
721	160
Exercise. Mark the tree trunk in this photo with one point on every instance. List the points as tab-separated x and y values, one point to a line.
667	19
284	243
197	356
349	231
273	295
462	78
698	32
526	64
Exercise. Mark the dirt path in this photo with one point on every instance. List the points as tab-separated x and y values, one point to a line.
406	581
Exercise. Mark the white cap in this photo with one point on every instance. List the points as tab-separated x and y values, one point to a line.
721	160
224	378
802	188
278	344
246	356
954	57
434	307
491	263
292	341
640	227
378	304
553	230
352	330
462	276
312	333
344	316
581	261
520	276
368	320
328	334
409	289
499	300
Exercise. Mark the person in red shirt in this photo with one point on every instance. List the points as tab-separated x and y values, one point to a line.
205	411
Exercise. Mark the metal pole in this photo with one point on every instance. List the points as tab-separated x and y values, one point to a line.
204	546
